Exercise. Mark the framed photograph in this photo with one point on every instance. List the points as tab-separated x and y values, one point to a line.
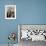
10	11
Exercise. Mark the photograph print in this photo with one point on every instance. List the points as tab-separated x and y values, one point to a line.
10	11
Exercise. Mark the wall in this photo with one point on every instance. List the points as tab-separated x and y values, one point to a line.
6	26
28	12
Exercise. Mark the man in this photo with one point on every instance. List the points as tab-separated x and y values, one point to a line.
10	13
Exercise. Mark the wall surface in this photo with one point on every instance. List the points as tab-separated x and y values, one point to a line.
27	12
